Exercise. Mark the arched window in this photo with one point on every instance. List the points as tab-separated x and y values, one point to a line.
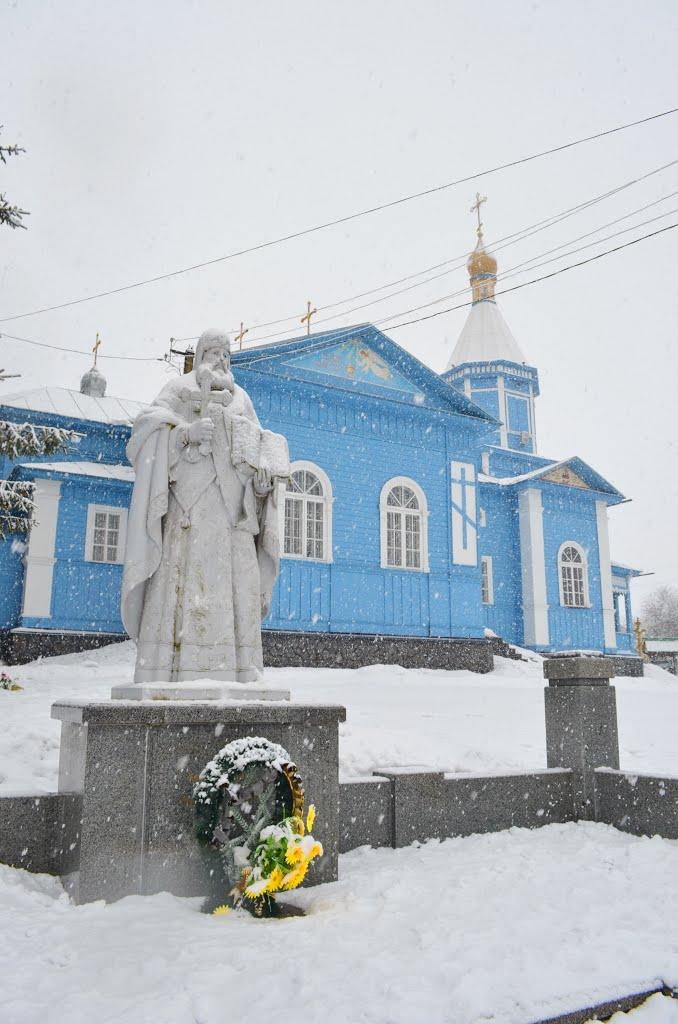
307	514
404	534
573	575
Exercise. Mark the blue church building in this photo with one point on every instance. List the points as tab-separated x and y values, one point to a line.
419	513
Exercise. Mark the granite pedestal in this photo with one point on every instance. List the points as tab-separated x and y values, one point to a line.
134	765
581	722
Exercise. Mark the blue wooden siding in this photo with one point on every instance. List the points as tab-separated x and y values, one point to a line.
11	580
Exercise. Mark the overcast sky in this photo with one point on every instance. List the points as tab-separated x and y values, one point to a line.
159	135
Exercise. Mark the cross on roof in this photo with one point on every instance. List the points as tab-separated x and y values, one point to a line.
476	209
97	345
307	318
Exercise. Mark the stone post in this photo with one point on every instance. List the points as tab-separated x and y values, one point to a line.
581	722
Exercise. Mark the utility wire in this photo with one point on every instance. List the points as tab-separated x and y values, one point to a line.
508	273
496	246
430	316
536	280
348	217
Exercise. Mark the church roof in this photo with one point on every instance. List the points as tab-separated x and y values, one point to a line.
74	406
573	472
101	470
363	360
485	337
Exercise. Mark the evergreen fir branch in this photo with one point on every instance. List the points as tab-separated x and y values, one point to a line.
19	439
11	215
16	507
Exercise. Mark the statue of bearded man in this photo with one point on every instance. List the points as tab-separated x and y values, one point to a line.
203	538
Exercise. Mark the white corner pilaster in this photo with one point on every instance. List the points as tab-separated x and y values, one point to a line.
463	512
501	396
533	568
606	596
39	560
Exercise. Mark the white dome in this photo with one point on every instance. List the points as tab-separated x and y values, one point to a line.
485	337
93	383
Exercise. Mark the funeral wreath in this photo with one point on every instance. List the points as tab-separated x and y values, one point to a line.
249	809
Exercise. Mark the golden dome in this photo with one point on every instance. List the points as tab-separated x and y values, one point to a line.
481	262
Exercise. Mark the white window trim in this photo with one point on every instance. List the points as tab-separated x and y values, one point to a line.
403	481
328	501
585	567
89	535
487	560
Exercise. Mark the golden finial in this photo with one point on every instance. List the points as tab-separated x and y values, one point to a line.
640	638
307	318
97	346
243	332
481	265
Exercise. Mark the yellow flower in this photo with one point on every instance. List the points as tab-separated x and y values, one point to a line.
315	851
221	911
274	879
294	854
298	824
310	818
257	888
294	878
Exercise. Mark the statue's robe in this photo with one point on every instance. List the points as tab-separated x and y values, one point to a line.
202	549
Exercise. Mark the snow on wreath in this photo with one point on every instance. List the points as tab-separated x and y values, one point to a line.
249	815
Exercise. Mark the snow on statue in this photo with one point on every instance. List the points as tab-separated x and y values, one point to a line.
203	538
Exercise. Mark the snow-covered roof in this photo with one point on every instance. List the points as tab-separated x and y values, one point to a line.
98	469
668	646
74	405
586	474
485	336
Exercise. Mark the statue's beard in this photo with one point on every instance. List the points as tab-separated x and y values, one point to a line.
220	378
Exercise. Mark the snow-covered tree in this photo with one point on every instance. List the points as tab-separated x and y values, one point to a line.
16	496
9	214
660	612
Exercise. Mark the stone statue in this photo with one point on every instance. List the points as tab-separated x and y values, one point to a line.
203	541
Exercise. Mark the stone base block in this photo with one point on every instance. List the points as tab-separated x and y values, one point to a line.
19	646
354	650
198	690
134	765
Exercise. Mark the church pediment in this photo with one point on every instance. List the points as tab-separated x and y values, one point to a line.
360	359
354	361
566	476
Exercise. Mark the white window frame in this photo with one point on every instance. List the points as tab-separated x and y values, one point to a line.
403	481
327	500
122	533
486	573
585	571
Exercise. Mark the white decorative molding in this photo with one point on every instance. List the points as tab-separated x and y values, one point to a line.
533	568
605	575
403	481
39	559
463	511
485	463
122	533
503	416
487	578
328	502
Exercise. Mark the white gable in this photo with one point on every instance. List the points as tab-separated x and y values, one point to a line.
74	405
485	337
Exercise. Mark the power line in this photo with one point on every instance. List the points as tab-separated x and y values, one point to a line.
429	316
82	351
345	219
536	280
496	246
459	266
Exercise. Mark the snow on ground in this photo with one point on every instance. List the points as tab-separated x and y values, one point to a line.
454	721
508	928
